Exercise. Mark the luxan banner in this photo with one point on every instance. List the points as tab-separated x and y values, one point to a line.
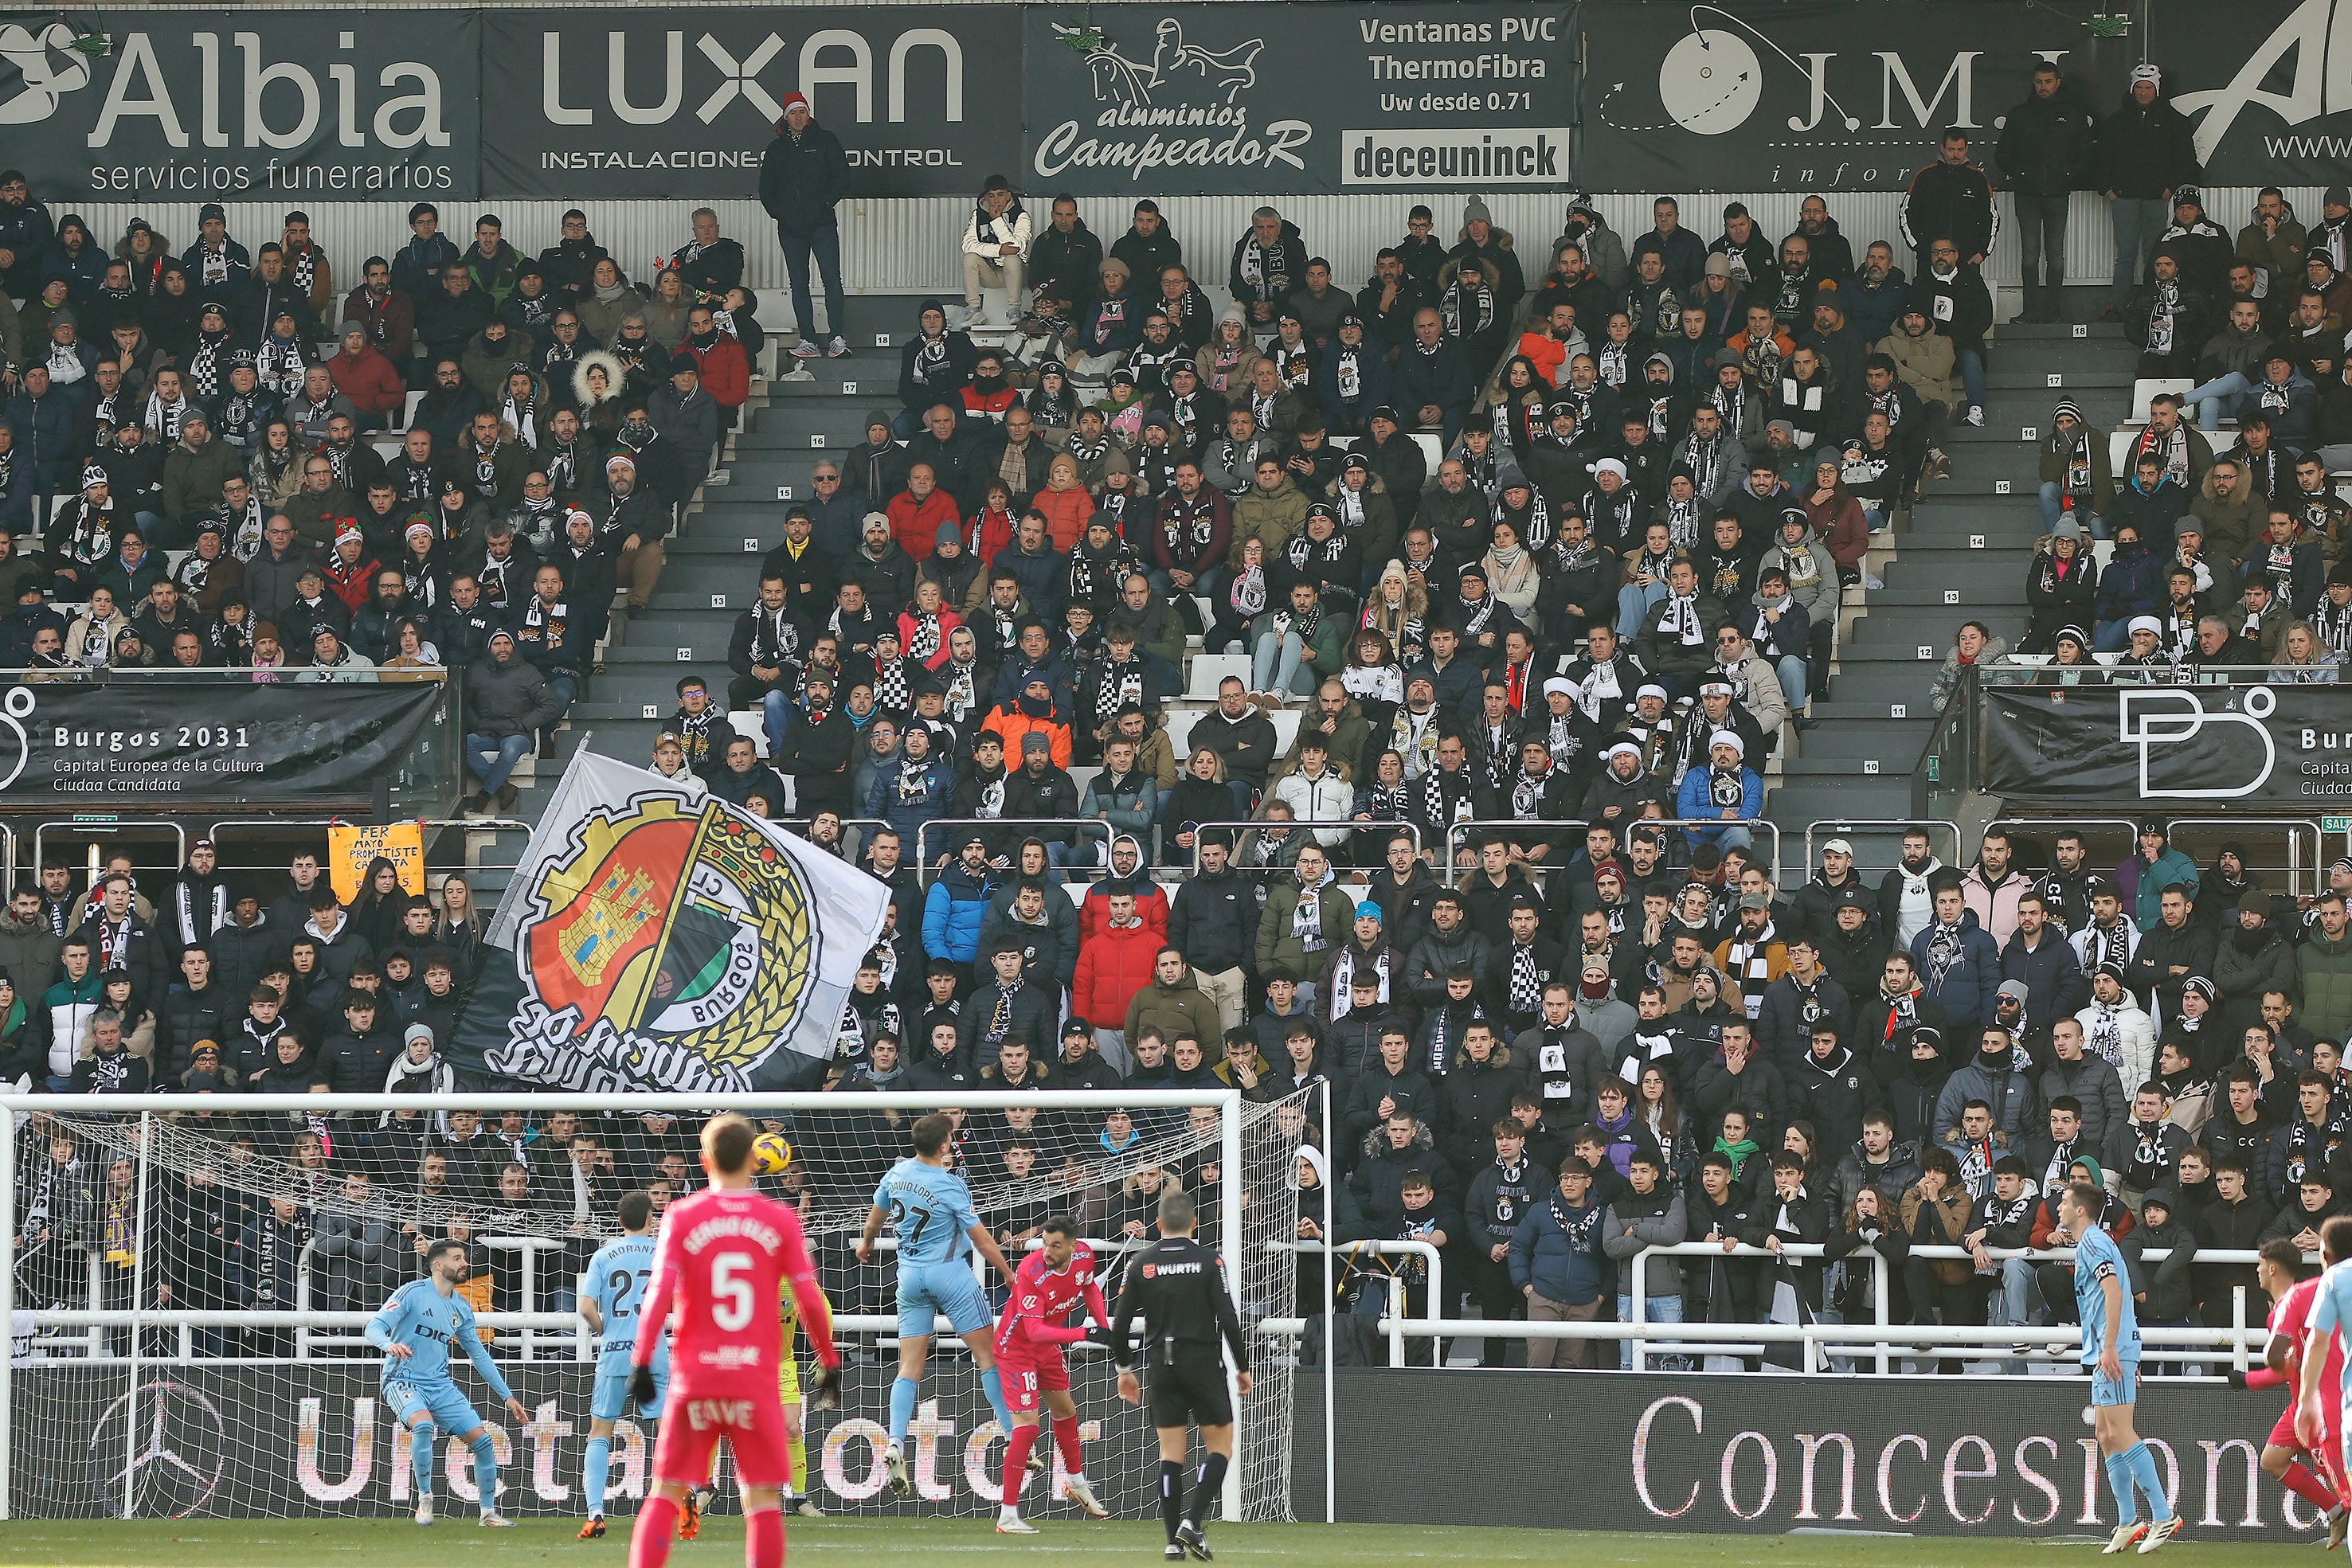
2263	745
314	1439
1255	100
652	937
1850	94
226	105
152	742
1760	1455
596	106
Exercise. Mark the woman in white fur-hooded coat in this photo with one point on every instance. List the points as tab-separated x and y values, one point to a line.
599	382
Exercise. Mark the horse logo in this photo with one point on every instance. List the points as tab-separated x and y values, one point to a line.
1224	74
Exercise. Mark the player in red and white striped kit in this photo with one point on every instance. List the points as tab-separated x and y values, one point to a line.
723	1256
1058	1277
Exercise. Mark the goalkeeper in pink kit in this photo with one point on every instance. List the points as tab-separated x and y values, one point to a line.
1050	1282
724	1255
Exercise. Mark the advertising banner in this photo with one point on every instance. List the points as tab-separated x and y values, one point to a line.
1812	95
151	741
2261	745
1848	95
652	938
1769	1456
1138	101
604	107
224	105
308	1440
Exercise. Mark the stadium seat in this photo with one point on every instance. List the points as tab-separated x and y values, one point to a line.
1208	669
1286	725
1180	722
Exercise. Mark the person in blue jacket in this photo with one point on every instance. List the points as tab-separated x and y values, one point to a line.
1958	963
2154	866
1558	1265
913	788
957	903
1727	789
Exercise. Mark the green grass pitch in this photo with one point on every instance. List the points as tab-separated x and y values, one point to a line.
882	1543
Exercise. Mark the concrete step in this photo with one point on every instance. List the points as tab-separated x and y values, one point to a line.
1875	736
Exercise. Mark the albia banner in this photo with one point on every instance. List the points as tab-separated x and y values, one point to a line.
652	937
2260	745
1135	100
1850	94
1760	1455
154	742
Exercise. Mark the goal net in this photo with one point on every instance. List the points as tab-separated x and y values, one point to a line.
190	1289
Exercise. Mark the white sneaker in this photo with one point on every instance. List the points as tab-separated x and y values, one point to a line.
970	315
1974	416
894	1464
839	348
2162	1530
807	1509
1011	1523
1872	581
424	1511
806	349
1076	1490
493	1520
2126	1537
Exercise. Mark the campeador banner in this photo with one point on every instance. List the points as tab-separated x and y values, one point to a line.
1135	100
655	938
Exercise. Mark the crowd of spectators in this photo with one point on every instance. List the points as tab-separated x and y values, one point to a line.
189	477
1657	469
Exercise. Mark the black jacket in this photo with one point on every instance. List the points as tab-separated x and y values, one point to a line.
2048	146
802	179
2145	152
1214	921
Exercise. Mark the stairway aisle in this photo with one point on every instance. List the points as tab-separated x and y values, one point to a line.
1961	555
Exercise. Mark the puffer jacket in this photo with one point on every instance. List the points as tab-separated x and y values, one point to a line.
1565	1265
954	908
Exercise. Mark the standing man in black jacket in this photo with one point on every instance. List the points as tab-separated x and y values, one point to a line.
1951	199
802	176
2045	148
2147	148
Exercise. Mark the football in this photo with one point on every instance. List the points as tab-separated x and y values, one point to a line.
772	1153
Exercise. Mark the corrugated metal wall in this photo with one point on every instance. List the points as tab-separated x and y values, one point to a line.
910	245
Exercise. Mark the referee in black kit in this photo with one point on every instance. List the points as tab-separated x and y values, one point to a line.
1179	1286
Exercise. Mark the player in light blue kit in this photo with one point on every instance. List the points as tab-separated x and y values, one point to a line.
2102	1305
929	1211
612	1295
415	1330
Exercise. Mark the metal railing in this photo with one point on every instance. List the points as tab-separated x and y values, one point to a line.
1841	827
1258	825
1881	1341
1763	826
1014	827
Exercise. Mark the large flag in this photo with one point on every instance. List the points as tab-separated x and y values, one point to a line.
655	939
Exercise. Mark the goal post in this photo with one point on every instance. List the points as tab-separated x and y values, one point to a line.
187	1277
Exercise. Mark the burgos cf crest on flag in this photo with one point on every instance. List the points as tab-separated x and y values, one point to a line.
675	942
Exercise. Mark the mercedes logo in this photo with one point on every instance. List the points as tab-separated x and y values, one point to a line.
168	1457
